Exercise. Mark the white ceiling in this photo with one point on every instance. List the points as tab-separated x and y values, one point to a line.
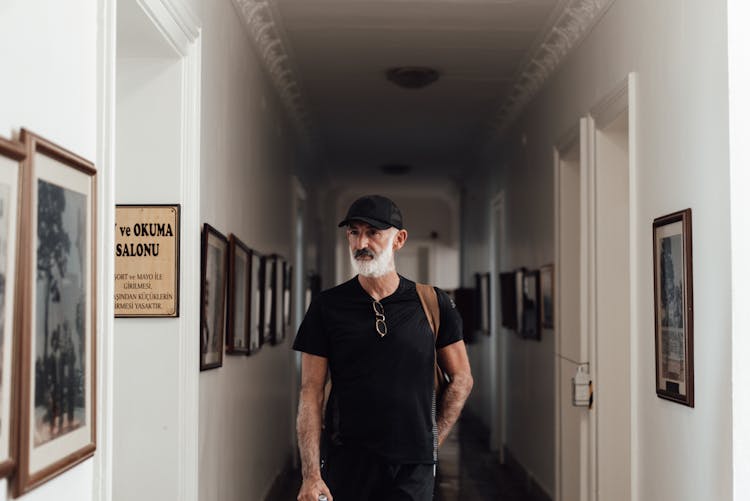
340	49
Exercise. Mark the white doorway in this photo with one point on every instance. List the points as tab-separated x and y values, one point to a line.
593	300
157	151
571	345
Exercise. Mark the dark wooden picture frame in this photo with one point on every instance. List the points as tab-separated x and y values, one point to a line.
238	297
256	302
266	302
57	427
214	247
288	278
12	156
484	302
673	307
508	311
531	327
277	308
519	281
547	296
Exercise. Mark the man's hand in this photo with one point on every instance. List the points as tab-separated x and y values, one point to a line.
312	488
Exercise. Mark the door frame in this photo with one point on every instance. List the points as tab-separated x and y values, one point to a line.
623	98
575	134
499	349
181	29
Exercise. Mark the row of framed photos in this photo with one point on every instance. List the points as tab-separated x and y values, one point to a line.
47	310
246	295
526	301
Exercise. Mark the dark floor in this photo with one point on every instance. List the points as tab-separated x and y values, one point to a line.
468	471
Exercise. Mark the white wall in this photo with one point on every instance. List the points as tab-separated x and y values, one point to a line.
739	127
679	52
48	51
248	155
146	375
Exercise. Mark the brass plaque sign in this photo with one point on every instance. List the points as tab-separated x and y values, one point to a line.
147	260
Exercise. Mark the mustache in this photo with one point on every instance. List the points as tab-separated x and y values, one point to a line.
363	252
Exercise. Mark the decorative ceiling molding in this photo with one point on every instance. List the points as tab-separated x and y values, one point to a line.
570	24
267	36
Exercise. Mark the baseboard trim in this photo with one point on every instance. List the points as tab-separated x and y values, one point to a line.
535	491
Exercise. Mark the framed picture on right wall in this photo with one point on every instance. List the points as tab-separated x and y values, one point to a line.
547	296
673	307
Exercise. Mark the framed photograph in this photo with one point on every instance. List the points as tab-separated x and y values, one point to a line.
508	301
57	281
213	293
12	155
483	301
530	325
277	308
287	295
466	304
256	295
266	317
238	298
547	292
519	275
673	307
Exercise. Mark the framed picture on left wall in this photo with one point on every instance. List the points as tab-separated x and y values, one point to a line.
58	349
256	292
213	296
484	302
238	313
12	155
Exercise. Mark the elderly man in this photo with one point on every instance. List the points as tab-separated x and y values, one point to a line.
382	432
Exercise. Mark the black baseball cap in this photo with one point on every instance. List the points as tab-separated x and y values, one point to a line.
375	210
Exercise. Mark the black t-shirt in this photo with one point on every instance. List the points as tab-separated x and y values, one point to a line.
382	387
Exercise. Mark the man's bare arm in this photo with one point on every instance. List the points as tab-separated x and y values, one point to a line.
309	423
455	362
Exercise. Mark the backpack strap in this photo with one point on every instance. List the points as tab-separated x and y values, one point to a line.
429	300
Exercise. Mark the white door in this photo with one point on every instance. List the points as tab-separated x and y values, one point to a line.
593	300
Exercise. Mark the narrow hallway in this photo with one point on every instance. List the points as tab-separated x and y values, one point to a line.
574	172
468	470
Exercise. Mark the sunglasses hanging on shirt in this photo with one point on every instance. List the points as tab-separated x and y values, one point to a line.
380	326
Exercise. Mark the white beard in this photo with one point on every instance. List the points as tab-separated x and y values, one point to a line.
381	264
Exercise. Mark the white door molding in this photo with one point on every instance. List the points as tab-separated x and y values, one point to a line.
105	161
181	30
622	99
739	157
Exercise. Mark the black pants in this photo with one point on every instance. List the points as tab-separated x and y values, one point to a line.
357	475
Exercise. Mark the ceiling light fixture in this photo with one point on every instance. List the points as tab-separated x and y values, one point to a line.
412	77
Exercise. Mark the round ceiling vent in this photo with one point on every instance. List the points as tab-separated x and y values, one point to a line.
395	169
412	77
